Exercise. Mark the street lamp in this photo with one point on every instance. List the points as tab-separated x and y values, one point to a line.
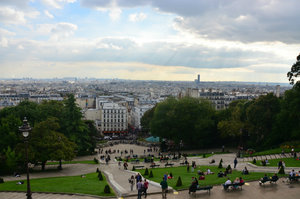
25	129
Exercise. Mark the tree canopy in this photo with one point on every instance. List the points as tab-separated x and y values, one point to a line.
295	71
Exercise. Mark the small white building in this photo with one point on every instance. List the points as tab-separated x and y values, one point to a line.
137	113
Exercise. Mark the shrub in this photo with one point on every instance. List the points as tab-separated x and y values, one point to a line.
133	168
146	172
281	170
1	180
97	171
179	182
254	161
96	160
100	176
204	155
151	174
220	164
221	160
106	189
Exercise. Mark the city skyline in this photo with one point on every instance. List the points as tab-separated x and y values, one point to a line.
252	41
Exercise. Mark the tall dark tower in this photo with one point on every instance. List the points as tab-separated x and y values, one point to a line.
198	80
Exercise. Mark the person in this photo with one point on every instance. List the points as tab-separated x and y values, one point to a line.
236	182
146	185
119	164
223	148
241	180
220	174
131	182
227	183
188	167
166	176
264	179
292	173
200	172
140	189
208	171
164	188
279	164
245	171
283	164
274	177
125	165
170	176
193	186
235	162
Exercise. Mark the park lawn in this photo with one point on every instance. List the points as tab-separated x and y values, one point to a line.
186	177
73	162
206	154
70	184
289	162
272	151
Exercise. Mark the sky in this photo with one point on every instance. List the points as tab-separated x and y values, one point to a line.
222	40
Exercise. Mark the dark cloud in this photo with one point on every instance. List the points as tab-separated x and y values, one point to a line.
14	3
235	20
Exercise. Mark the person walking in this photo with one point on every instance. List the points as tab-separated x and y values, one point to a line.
131	182
235	162
146	185
164	188
139	186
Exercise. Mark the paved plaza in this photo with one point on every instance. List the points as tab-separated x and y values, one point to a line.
118	179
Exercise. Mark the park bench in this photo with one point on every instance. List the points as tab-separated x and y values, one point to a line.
154	165
293	178
233	186
182	163
138	167
169	164
271	180
137	161
205	188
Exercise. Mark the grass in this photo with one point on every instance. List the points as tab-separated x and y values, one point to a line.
70	184
206	154
272	151
289	162
73	162
186	177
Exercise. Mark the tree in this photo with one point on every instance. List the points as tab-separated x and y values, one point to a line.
179	182
260	118
146	119
48	144
295	71
188	119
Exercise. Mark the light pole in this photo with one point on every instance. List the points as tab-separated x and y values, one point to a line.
25	129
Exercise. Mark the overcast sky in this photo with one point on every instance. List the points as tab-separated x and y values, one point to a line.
222	40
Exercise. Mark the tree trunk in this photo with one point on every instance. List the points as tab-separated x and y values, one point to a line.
43	166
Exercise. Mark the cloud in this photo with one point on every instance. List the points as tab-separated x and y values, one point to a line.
137	17
11	16
48	14
58	4
16	3
57	31
235	20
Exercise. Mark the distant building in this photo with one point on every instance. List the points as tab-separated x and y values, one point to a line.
137	113
114	119
197	81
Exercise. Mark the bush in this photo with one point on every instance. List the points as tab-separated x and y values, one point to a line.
179	182
220	164
281	170
106	189
1	180
96	160
100	177
221	160
151	174
97	171
133	168
254	161
204	155
146	172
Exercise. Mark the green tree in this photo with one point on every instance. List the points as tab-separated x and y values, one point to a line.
48	144
146	119
260	118
295	71
188	119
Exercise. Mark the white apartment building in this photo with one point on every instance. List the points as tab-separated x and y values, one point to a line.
114	119
137	113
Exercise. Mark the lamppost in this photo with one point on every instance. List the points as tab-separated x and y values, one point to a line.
25	129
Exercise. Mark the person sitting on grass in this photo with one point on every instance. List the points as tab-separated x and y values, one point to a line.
245	171
212	161
170	176
241	180
208	171
200	172
221	174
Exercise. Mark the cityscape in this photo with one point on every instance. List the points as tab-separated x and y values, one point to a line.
149	99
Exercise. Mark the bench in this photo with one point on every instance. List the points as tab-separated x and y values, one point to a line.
138	167
182	163
271	180
154	165
294	178
135	161
205	188
169	164
233	186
